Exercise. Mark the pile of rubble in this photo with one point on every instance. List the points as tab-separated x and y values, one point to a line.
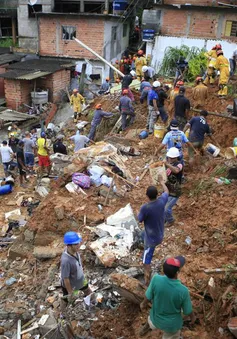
98	192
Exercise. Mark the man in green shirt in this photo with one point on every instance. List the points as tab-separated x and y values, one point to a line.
169	298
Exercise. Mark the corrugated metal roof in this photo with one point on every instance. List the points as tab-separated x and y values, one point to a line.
11	115
31	76
6	58
40	65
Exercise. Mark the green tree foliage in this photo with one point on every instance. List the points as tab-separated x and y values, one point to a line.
196	60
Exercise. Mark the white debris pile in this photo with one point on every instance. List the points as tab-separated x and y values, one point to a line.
117	236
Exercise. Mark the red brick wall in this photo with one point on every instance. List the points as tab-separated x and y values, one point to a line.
2	93
88	30
55	83
195	24
17	92
174	23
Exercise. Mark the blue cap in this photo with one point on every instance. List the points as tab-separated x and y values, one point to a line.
43	135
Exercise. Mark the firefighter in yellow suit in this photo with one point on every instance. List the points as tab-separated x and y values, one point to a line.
211	64
222	65
139	63
76	101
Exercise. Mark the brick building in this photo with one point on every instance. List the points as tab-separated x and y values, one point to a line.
196	24
22	78
205	19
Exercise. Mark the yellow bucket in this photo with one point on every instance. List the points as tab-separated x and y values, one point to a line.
231	153
159	131
187	133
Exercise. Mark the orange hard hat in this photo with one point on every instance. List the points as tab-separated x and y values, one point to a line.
125	91
107	79
140	52
180	83
98	106
218	46
199	79
75	90
219	52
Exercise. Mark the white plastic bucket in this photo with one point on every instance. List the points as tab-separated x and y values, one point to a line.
231	153
212	149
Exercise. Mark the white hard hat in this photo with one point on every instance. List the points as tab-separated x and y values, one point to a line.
144	69
156	84
9	128
133	73
173	152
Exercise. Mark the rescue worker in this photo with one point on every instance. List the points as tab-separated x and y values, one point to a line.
211	64
199	128
126	109
156	99
98	116
175	91
200	93
127	80
153	216
144	89
58	146
105	86
72	275
76	101
116	75
233	62
148	72
127	67
181	108
181	69
175	138
174	171
139	63
222	65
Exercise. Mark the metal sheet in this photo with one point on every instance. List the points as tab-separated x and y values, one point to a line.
31	76
11	115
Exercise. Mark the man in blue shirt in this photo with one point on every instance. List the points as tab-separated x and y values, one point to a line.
145	88
153	216
98	116
153	110
198	129
175	138
126	109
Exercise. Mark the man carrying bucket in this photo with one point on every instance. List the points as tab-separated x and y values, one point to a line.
175	138
198	129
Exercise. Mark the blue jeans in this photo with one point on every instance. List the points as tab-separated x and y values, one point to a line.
168	208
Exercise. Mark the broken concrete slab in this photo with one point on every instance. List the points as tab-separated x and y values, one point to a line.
46	252
29	235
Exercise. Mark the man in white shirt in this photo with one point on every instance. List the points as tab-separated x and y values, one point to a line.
6	155
80	141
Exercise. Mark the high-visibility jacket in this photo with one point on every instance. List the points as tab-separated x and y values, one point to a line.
211	58
200	93
76	101
222	64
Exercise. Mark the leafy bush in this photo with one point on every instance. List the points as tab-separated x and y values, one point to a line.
196	60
